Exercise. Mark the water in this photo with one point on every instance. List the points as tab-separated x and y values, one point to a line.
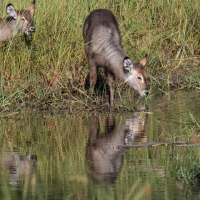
104	155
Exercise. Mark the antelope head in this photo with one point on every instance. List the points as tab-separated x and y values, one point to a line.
136	75
24	21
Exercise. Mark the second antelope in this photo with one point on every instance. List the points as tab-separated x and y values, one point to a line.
17	21
103	48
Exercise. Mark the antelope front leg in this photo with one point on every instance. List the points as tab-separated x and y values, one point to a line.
93	70
110	81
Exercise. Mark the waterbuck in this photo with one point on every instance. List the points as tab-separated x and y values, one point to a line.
105	150
103	48
17	21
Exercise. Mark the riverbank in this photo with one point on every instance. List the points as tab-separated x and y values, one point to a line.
52	68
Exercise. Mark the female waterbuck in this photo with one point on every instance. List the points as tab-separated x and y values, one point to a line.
17	21
105	150
103	48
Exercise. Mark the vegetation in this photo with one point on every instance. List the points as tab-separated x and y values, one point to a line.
51	69
60	142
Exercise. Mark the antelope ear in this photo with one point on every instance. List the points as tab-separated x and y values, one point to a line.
10	10
128	64
31	7
144	60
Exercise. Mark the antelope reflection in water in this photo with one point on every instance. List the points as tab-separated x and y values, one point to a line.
20	168
104	153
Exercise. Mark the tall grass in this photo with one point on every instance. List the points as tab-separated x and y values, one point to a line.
40	73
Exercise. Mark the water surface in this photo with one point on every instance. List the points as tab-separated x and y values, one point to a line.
104	155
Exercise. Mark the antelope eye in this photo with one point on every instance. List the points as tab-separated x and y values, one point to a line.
23	19
139	78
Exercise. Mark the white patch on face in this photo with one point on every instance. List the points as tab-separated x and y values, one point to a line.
140	78
131	80
143	93
129	77
136	80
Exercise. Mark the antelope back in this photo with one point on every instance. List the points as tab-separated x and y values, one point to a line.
18	20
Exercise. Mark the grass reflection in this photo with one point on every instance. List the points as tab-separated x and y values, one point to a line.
60	142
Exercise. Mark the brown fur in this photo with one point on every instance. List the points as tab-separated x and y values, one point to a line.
105	151
103	48
12	25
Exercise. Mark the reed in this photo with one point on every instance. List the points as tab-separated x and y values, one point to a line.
41	71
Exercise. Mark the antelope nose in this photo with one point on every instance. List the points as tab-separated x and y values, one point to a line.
146	93
32	29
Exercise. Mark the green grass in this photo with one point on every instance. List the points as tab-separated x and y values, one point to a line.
39	74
